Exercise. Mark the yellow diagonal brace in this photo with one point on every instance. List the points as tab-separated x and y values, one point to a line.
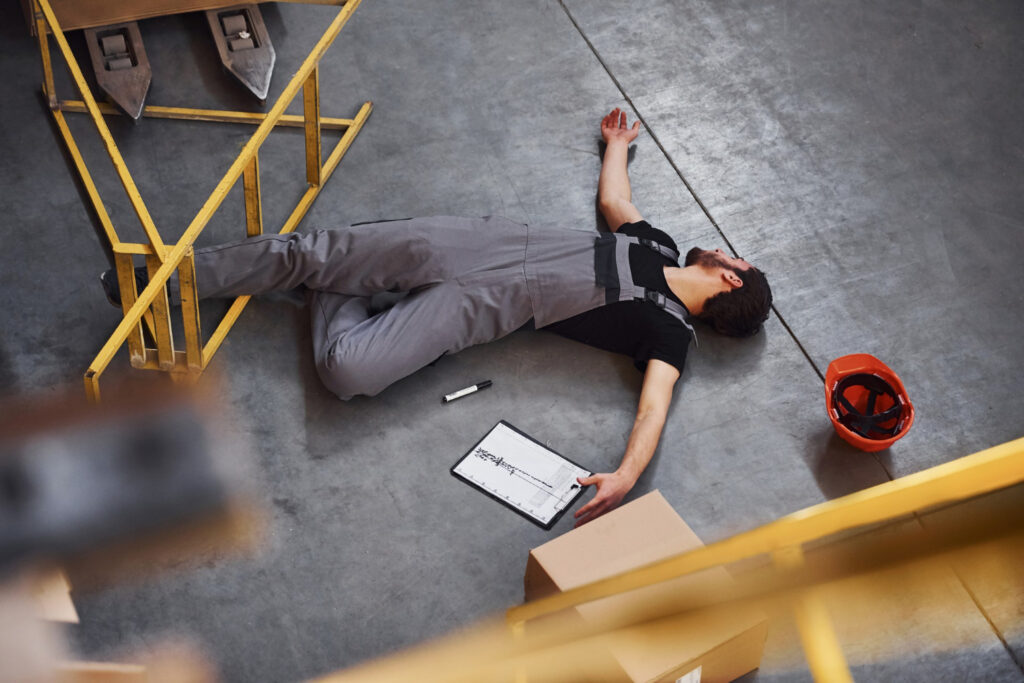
972	475
108	140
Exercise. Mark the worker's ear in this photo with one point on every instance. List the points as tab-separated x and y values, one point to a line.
731	278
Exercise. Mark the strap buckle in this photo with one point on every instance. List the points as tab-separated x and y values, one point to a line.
655	297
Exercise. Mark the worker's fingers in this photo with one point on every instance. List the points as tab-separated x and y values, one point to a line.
622	119
636	126
586	516
597	506
592	514
596	503
585	509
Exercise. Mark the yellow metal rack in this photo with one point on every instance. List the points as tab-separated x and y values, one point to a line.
151	306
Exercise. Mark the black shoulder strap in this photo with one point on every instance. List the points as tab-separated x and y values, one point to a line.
673	308
667	252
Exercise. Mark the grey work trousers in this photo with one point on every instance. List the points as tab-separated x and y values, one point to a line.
465	277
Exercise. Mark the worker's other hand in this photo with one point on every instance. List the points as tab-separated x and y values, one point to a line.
611	489
614	127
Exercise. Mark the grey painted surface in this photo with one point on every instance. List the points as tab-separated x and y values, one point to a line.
789	128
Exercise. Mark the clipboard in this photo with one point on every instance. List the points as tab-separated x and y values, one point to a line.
522	474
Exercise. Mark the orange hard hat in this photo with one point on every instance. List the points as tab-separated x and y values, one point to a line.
866	402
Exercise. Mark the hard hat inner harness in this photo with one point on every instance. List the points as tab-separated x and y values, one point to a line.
867	422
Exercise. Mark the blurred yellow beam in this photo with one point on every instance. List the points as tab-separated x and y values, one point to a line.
487	650
972	475
824	655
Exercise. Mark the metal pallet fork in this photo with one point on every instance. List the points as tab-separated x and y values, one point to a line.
121	66
244	46
162	260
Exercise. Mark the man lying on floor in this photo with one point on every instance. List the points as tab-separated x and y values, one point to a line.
474	280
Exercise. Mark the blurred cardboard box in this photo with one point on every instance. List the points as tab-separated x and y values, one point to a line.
708	647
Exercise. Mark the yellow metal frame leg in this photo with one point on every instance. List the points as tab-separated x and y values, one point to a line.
253	200
190	313
126	280
161	308
311	113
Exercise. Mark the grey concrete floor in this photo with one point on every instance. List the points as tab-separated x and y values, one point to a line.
867	155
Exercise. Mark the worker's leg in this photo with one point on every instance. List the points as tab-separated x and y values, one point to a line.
361	354
362	260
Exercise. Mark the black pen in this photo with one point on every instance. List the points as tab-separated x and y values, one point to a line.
466	392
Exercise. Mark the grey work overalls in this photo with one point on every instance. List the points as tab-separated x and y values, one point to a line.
470	280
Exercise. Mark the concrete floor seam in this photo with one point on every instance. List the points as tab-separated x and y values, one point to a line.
984	613
974	599
686	183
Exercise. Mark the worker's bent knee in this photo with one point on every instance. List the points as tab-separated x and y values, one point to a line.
347	379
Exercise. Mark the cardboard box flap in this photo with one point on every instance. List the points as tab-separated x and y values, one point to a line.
638	533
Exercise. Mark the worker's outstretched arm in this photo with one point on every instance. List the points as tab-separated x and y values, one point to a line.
655	397
613	194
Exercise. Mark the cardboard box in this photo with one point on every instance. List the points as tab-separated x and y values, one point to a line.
718	647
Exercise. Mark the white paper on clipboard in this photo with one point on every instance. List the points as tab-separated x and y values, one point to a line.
522	473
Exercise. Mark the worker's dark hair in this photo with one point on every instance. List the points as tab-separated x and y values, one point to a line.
740	312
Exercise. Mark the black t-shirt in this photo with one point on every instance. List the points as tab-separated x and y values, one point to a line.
638	329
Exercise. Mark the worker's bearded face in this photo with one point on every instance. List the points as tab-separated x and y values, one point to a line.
702	257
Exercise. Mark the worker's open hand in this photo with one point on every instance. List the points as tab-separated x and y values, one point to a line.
611	489
614	127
